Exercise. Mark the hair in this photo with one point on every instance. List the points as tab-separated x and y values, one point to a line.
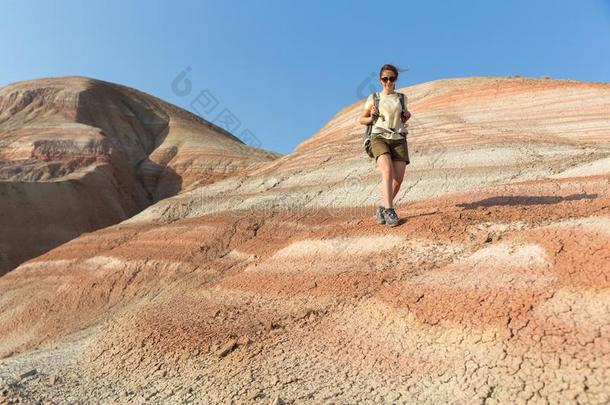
393	68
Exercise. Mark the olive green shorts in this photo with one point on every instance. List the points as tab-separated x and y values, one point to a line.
397	148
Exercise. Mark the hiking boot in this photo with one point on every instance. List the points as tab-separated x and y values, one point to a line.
379	215
390	217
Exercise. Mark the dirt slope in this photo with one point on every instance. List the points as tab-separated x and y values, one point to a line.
278	283
78	154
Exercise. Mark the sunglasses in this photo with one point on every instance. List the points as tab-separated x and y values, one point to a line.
392	79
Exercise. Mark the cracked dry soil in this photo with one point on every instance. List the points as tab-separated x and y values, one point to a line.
475	298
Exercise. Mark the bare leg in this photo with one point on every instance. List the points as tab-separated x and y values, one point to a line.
384	162
399	173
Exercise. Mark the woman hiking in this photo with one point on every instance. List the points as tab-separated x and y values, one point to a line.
388	141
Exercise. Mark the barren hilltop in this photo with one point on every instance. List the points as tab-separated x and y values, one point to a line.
79	154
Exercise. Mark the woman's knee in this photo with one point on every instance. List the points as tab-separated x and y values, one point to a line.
387	174
385	165
397	176
398	171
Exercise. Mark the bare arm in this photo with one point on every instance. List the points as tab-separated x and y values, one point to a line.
368	115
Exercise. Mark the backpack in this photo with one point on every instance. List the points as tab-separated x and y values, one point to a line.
366	137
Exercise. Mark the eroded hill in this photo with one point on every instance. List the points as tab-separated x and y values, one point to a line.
494	289
78	154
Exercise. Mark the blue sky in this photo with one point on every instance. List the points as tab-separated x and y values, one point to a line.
284	68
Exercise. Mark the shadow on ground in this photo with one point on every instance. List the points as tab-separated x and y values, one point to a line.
525	200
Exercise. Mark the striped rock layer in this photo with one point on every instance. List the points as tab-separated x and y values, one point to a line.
495	287
78	154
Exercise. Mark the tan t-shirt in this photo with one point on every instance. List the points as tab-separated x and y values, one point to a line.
390	109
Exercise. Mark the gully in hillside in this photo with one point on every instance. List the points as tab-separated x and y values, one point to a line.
386	113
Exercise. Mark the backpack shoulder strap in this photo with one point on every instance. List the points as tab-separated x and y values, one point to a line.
401	96
376	104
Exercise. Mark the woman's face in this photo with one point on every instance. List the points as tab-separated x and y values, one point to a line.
386	79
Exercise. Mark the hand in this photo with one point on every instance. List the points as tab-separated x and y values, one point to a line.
406	115
374	111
